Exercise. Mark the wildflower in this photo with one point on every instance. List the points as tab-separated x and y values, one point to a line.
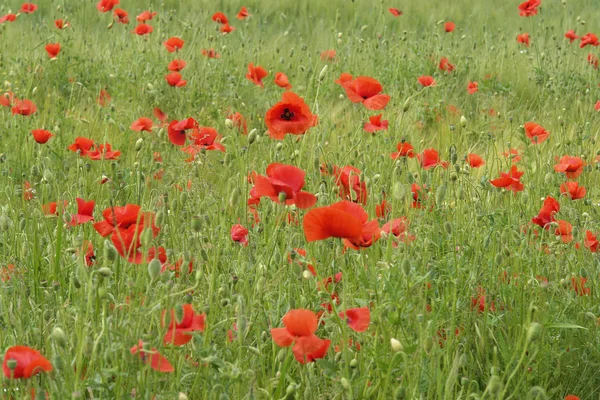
290	116
510	180
29	362
180	333
283	183
376	124
299	329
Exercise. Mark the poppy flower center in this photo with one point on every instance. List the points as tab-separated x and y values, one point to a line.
287	114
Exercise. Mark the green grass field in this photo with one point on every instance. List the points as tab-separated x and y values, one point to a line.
242	242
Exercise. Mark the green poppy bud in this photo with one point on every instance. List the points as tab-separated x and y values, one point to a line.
154	268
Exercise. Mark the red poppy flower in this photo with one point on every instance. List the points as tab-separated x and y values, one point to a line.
8	17
445	65
23	107
60	24
472	87
179	333
513	154
81	145
565	231
591	242
173	44
87	249
28	8
142	124
430	158
28	191
376	124
175	79
121	16
226	28
365	90
151	357
571	166
160	115
220	18
348	181
399	228
204	138
41	136
239	234
283	179
300	327
510	180
449	26
571	397
523	38
536	133
177	130
210	53
571	35
547	212
176	65
426	81
480	304
143	29
103	152
357	318
85	212
243	14
103	98
52	49
291	115
239	122
52	208
395	12
405	149
529	8
573	190
345	220
592	60
475	161
282	81
106	5
589	39
29	362
328	55
578	284
256	74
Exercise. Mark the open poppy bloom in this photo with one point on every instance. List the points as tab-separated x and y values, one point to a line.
589	39
405	149
547	212
430	158
282	81
239	122
29	362
52	49
103	98
142	124
81	145
243	14
23	107
472	87
151	357
475	161
376	124
256	74
345	220
565	231
399	228
8	18
426	81
510	180
283	183
300	327
445	65
145	16
529	8
357	318
176	65
203	139
348	180
290	116
179	333
121	16
61	24
173	44
571	35
591	242
328	55
449	26
536	133
103	152
571	397
572	167
573	190
106	5
395	12
178	130
220	18
365	90
143	29
85	212
175	79
41	136
226	28
523	39
239	234
52	208
210	53
28	8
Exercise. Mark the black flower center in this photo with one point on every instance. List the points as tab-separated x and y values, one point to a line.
287	114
